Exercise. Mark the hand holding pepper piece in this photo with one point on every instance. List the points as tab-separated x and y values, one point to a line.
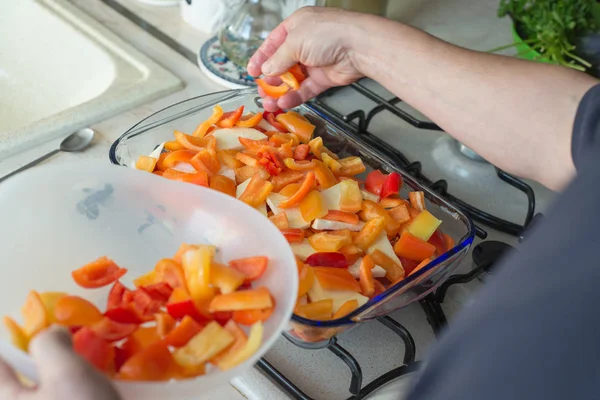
62	373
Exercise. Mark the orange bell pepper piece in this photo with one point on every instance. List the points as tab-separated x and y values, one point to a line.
312	206
142	338
318	149
272	91
196	265
393	271
421	265
257	191
181	335
248	159
199	178
285	178
293	235
254	146
351	166
173	145
189	142
251	267
369	233
413	248
227	157
240	342
203	127
346	309
76	311
336	279
297	124
351	252
417	200
298	165
146	163
400	213
306	280
289	79
178	156
391	202
170	272
242	300
159	163
331	163
183	248
372	210
164	324
350	199
226	279
205	161
250	121
252	345
329	241
222	184
304	189
298	73
18	337
153	363
250	317
367	284
324	176
97	274
318	310
301	152
211	340
448	241
112	331
290	189
49	300
341	216
228	120
94	349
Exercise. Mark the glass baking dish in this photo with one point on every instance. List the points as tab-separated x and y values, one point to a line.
144	137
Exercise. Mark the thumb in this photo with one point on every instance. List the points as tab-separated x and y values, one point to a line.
52	351
282	60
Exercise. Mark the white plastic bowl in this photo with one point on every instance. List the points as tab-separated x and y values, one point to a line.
55	219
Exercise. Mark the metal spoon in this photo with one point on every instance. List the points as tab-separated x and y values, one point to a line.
76	141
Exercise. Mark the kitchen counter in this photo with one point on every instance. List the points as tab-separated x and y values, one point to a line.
463	22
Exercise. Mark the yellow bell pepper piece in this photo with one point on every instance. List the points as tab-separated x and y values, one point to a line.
424	225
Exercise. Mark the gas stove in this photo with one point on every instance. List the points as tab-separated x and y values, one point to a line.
360	362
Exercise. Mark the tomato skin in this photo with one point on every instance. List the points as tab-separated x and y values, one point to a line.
327	259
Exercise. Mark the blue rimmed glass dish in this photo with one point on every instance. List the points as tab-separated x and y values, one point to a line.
143	138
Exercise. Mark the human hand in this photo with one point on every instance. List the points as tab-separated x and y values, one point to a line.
319	38
63	374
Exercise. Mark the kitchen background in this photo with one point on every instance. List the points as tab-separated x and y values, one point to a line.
145	56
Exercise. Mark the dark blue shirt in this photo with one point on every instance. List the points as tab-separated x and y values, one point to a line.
533	332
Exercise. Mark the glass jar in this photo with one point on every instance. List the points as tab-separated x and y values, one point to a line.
246	27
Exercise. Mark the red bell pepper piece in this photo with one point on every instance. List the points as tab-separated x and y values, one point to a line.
277	125
252	267
375	181
437	239
127	314
116	295
408	265
222	317
112	331
327	259
181	309
99	273
391	185
94	349
159	291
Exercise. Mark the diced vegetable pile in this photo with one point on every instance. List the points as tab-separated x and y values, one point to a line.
352	238
182	316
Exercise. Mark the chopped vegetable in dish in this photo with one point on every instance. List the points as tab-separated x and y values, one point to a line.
184	314
353	236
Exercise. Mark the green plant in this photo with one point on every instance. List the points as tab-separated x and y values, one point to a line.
551	27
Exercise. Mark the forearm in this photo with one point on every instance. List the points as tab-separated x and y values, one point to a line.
518	115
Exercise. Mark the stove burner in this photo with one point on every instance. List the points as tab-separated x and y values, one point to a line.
467	152
486	254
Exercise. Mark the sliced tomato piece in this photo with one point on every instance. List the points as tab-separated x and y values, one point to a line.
99	273
112	331
94	349
252	267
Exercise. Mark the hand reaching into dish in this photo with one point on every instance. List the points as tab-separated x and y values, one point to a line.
300	39
63	374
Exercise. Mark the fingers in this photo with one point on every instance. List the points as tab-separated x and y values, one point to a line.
53	353
10	387
309	88
275	39
282	60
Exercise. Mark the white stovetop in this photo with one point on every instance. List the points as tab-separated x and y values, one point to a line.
464	22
